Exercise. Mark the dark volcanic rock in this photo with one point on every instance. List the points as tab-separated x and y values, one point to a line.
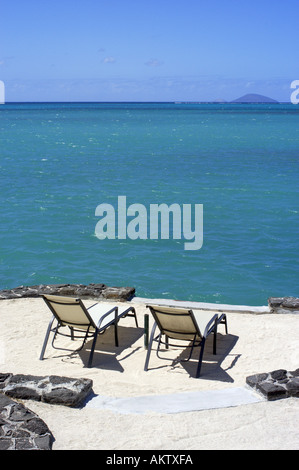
21	429
284	304
277	384
93	291
50	389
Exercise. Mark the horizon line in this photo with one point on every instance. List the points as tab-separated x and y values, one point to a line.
153	102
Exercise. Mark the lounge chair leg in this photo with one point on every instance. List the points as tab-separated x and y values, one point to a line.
92	348
115	334
115	326
225	322
46	338
135	316
200	357
215	339
150	347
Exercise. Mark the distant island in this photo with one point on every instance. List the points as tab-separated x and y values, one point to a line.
254	98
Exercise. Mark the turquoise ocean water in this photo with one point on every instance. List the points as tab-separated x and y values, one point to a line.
59	161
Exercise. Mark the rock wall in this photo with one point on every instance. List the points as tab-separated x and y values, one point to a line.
49	389
20	428
277	384
283	304
92	291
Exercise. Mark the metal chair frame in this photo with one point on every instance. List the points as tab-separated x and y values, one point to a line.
198	340
88	325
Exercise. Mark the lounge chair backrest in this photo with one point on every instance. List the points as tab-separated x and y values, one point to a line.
68	310
178	323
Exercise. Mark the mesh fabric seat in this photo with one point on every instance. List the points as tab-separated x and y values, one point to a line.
82	322
184	325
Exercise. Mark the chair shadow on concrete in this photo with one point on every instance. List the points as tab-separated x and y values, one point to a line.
211	364
106	354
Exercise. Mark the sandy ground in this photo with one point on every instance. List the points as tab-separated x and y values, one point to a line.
255	343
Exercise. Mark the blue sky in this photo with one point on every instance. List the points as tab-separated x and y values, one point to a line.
158	50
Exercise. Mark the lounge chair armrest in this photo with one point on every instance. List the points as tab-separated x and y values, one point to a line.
209	330
222	317
106	314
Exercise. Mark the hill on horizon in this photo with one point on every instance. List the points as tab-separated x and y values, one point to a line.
254	98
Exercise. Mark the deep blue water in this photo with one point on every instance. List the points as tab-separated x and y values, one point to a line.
59	161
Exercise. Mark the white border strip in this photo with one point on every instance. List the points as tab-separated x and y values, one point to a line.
203	305
177	402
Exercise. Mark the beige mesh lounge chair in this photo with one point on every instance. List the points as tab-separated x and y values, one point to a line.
184	325
70	312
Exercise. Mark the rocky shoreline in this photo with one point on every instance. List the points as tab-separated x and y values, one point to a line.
92	291
123	294
283	304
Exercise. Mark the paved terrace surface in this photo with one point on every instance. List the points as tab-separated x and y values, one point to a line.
203	305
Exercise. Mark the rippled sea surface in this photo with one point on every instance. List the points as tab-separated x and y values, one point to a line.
59	161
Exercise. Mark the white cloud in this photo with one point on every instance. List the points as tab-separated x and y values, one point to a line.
154	63
109	60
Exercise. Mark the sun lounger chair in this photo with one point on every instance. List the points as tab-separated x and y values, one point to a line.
184	325
71	312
